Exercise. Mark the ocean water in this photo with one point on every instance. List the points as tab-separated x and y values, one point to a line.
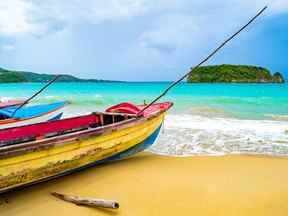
207	119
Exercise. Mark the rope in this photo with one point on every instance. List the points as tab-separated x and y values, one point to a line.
37	93
204	60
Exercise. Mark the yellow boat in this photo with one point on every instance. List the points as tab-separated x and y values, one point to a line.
38	152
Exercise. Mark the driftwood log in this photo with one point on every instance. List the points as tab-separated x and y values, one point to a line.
87	201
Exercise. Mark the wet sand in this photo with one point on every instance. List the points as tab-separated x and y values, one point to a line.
156	185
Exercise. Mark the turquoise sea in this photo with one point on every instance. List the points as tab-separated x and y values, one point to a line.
245	101
206	119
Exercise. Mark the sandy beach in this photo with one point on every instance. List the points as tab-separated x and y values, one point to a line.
148	184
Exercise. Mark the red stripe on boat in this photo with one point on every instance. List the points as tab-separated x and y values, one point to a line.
41	129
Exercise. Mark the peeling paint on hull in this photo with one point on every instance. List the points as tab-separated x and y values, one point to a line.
73	156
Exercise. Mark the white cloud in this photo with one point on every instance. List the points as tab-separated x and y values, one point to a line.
20	17
13	17
39	17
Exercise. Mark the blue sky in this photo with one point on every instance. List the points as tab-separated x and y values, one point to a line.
138	40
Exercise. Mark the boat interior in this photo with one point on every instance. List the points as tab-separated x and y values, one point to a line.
23	134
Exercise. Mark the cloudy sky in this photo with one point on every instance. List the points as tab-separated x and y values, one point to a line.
138	39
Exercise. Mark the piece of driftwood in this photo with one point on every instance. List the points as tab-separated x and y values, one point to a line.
87	201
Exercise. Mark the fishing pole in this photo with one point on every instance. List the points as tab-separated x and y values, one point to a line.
204	60
37	93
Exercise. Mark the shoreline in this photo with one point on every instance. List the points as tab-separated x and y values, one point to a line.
149	184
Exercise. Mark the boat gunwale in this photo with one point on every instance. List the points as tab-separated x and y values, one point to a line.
19	149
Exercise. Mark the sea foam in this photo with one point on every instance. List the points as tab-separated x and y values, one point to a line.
185	135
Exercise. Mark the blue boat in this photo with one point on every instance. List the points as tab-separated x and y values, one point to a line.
31	114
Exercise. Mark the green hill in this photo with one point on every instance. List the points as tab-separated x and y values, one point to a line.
234	74
9	76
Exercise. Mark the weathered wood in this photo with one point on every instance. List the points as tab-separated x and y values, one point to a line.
37	145
87	201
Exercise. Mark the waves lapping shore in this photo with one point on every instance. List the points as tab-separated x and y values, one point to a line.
207	119
185	135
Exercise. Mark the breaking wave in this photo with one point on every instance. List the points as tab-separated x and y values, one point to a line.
185	135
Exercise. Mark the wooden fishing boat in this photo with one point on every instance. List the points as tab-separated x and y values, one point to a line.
38	152
30	114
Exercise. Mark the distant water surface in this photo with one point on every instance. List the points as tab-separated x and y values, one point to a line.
207	119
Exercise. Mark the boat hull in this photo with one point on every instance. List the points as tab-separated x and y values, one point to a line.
73	155
50	116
